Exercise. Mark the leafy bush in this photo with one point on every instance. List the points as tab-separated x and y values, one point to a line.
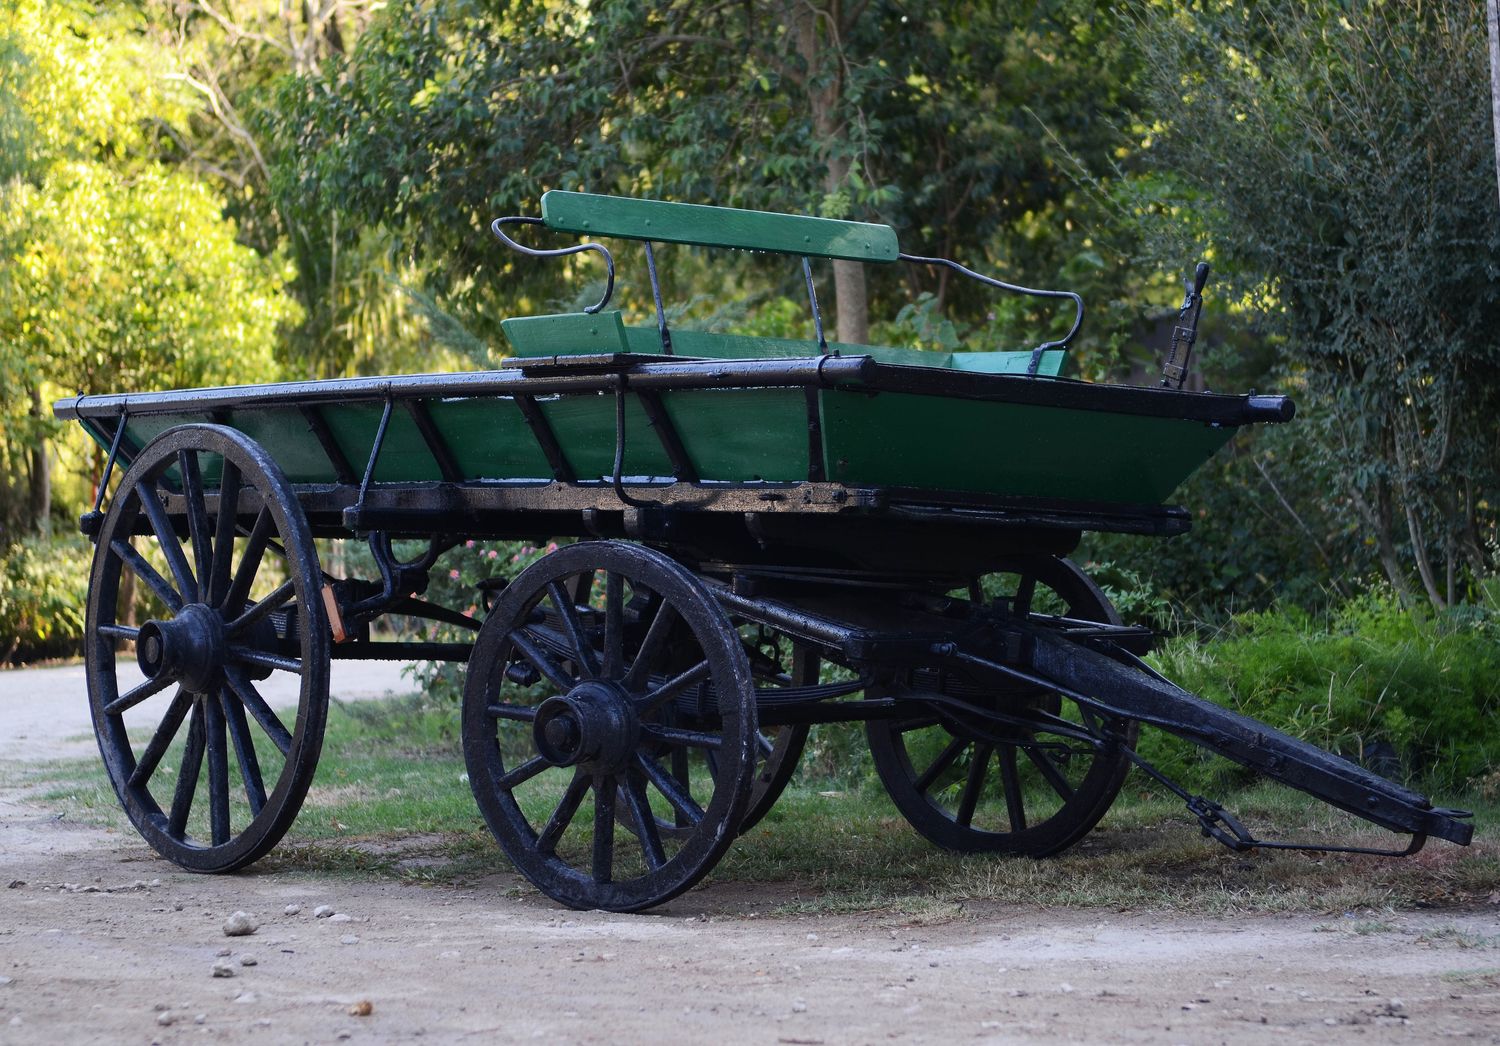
43	591
1405	693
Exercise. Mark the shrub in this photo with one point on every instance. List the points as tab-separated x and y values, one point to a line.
1405	693
43	591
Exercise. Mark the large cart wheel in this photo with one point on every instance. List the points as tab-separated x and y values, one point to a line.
218	562
1036	776
781	661
605	672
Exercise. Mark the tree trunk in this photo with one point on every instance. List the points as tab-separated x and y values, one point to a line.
39	490
850	294
1492	10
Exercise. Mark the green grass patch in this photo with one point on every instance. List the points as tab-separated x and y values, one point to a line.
391	800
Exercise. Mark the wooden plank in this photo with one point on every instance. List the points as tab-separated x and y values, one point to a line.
568	334
703	226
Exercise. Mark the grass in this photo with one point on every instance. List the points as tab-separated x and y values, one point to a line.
392	800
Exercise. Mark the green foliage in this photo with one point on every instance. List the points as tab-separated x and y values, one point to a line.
1347	154
42	594
1399	690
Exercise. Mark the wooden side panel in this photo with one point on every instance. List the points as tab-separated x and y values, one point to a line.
566	334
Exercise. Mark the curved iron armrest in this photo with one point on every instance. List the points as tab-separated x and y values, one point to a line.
1036	353
609	261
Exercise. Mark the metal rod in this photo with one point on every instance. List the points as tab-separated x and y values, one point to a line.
109	462
661	316
609	261
385	420
1036	353
812	297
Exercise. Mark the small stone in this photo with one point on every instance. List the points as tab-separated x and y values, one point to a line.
201	1018
322	911
1065	988
798	1006
363	1008
240	924
340	917
1395	1006
349	938
6	980
1330	1020
165	1018
16	884
223	953
223	969
245	997
264	1022
292	909
249	960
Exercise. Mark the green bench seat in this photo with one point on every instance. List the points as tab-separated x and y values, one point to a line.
576	334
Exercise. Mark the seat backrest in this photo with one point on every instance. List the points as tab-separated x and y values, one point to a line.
690	223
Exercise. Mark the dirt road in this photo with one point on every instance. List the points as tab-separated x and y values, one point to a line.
102	942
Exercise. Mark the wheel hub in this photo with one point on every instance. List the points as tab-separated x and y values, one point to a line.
188	648
594	725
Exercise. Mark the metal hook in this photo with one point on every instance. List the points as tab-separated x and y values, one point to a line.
609	261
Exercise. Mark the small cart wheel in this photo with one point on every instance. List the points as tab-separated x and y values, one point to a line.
206	546
606	672
1034	779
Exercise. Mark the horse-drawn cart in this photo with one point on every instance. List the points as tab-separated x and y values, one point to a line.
774	534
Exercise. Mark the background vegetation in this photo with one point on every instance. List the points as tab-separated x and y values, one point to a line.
207	191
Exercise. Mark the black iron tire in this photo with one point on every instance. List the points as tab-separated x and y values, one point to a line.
211	639
567	700
1079	791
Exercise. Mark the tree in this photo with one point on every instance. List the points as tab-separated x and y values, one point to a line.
1340	159
449	114
1492	19
116	270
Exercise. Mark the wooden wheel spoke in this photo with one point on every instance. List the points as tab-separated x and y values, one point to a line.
674	790
1010	780
218	769
944	760
519	775
136	694
223	549
562	816
166	537
197	517
652	646
645	821
244	752
516	713
244	574
674	686
265	659
187	774
614	625
968	800
567	610
278	596
256	705
604	828
532	651
1049	770
1025	593
166	730
147	573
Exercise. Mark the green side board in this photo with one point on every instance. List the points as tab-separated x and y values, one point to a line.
1012	449
572	333
885	439
696	224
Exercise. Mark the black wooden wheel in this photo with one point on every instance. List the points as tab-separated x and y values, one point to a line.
600	679
1033	777
206	538
777	661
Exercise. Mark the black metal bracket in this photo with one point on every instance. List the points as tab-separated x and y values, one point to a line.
1185	333
90	521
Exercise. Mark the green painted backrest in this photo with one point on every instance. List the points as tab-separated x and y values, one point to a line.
703	226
